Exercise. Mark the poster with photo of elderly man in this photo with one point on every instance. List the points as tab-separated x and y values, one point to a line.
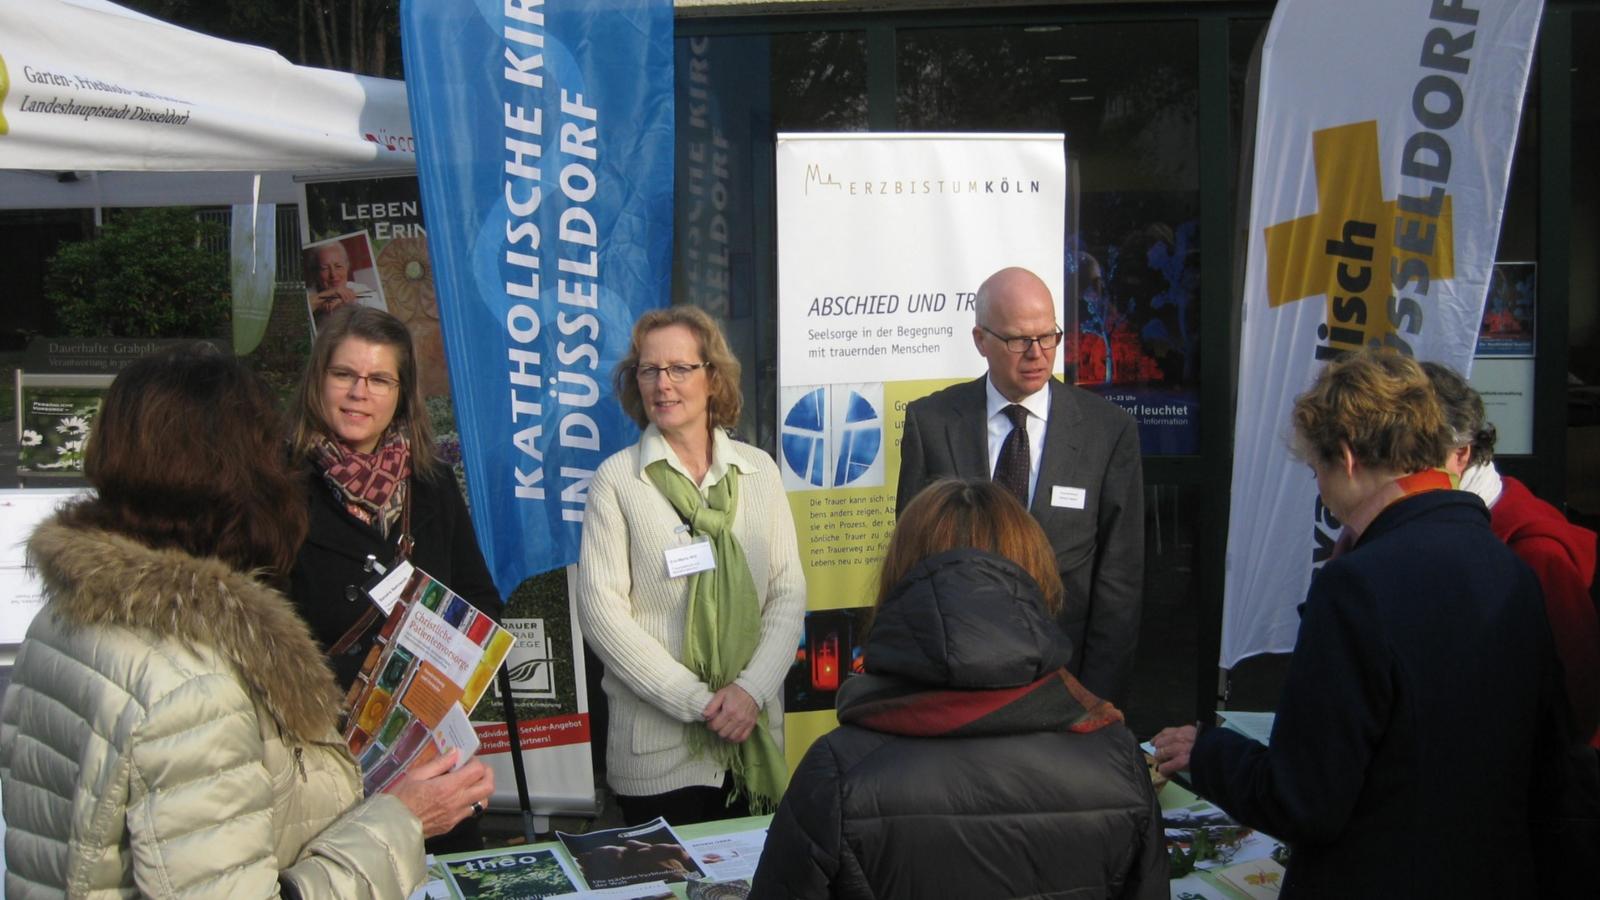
340	272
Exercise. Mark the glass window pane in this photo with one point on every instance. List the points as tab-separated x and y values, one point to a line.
1583	333
733	94
1125	94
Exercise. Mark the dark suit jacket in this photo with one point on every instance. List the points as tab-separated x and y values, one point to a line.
1089	443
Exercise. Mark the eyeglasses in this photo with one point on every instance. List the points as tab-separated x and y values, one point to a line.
675	373
380	385
1021	344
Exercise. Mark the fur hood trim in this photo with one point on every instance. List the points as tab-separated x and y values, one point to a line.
97	578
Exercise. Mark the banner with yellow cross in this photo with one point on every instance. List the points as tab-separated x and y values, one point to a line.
1384	134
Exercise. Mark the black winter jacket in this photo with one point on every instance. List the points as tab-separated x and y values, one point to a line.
1415	720
1028	813
331	560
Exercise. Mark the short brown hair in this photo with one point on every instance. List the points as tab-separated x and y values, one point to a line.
1463	412
725	402
1378	403
184	454
977	513
308	420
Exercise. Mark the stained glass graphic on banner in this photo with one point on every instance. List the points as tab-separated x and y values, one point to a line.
804	446
834	429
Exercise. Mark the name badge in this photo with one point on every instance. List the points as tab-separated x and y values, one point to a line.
1068	497
386	592
689	559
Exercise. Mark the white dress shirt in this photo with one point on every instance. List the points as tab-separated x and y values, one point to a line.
1038	406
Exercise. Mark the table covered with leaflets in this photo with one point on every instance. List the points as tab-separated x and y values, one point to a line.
653	861
1213	857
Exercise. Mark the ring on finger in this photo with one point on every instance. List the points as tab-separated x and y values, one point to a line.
477	809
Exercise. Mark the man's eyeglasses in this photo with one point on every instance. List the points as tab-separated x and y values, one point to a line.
675	373
1021	344
379	384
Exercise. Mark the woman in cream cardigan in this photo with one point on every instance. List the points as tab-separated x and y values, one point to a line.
695	655
169	729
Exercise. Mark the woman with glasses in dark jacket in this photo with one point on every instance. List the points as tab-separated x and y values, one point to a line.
375	482
377	490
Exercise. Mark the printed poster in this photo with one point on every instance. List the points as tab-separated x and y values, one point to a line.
1503	367
55	414
21	594
1137	335
883	240
365	244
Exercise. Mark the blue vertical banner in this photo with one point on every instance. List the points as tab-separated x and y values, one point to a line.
545	155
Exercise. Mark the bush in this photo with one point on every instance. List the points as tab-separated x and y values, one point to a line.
147	275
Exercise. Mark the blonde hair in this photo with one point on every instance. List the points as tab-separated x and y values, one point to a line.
954	513
1378	403
725	401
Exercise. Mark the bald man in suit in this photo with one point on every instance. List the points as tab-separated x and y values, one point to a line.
1075	466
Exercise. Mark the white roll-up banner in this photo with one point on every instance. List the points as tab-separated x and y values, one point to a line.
882	241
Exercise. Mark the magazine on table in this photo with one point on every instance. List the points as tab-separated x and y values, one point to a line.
622	856
431	663
525	873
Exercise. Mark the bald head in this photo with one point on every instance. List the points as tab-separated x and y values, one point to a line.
1015	303
1011	284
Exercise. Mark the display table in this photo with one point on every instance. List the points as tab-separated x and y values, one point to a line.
1201	884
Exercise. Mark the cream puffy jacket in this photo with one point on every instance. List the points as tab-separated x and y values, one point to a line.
169	731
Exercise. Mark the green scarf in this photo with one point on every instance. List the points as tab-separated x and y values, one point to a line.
721	630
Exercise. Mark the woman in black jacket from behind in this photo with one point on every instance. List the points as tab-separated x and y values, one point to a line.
968	762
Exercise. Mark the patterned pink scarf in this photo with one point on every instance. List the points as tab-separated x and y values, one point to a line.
372	486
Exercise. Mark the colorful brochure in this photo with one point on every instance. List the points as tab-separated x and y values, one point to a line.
431	663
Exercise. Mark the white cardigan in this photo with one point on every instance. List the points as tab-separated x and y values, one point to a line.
633	614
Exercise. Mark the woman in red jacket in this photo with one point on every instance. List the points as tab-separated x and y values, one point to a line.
1560	553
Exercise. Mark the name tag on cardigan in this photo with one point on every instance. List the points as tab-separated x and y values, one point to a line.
1068	497
687	560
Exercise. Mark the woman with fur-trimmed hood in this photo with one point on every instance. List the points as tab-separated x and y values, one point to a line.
169	729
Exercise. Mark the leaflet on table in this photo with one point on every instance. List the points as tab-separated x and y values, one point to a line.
1254	725
432	661
1260	879
622	856
527	873
727	857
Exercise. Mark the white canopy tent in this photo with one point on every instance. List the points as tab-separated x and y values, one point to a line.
101	106
95	99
